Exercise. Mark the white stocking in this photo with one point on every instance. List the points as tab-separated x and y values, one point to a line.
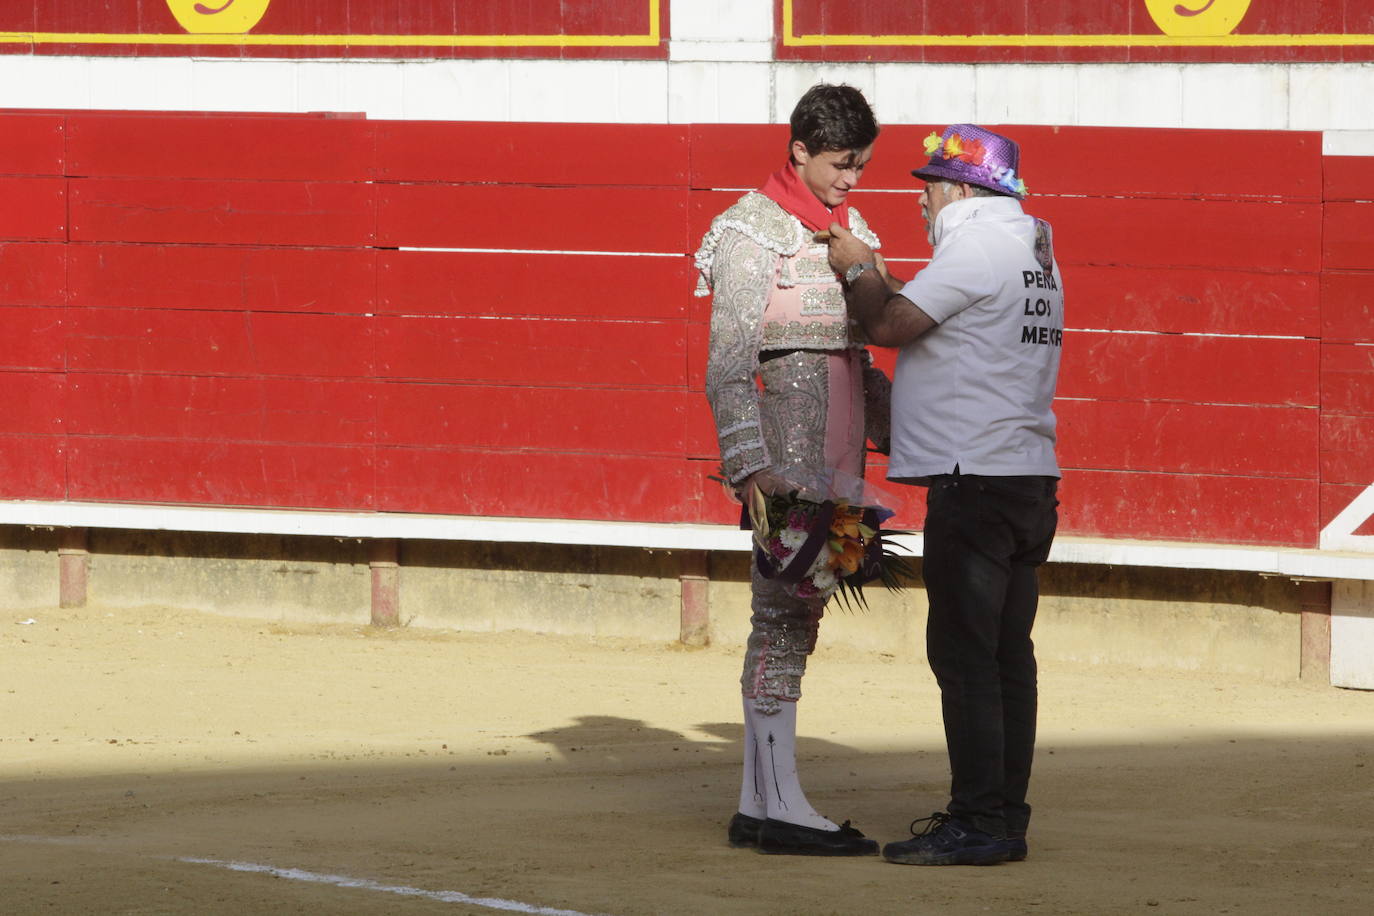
753	800
775	767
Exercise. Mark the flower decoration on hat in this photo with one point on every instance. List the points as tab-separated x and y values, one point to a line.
972	151
1007	178
956	147
958	156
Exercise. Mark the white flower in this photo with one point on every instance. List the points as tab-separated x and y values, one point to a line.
824	579
792	538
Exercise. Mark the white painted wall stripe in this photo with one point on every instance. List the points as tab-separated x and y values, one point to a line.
1324	97
297	874
1284	561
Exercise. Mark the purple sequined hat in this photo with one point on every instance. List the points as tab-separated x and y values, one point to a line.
974	155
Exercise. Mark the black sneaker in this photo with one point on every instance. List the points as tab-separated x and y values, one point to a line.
744	830
780	838
945	840
1016	847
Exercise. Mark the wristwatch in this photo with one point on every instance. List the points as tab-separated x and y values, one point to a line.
853	273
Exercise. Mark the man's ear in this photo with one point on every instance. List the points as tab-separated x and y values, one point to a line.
799	153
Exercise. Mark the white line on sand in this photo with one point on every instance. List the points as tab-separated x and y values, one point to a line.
296	874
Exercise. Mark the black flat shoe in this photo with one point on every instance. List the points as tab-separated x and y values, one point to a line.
780	838
744	831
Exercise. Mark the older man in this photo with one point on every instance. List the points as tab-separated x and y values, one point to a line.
980	331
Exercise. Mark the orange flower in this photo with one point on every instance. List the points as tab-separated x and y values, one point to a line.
845	523
973	152
852	556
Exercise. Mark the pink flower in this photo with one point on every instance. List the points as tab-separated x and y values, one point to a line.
778	549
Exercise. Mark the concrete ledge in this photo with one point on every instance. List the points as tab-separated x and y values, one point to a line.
1315	564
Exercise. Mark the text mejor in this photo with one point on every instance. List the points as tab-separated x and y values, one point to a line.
1039	307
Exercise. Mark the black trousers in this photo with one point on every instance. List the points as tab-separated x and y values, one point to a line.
985	538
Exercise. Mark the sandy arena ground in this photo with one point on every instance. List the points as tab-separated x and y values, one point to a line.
411	771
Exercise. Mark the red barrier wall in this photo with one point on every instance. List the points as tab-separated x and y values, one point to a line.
219	311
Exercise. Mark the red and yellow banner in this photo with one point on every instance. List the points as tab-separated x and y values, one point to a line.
327	28
1130	31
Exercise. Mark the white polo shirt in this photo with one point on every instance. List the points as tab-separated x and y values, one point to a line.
976	390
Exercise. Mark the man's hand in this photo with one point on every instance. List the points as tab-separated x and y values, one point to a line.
894	283
846	250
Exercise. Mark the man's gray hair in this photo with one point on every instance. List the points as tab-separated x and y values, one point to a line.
975	190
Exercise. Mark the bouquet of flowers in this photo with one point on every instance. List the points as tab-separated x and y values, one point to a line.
824	537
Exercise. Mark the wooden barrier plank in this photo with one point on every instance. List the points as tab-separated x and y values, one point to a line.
1348	178
1188	438
32	144
584	353
566	285
1347	379
1346	455
1205	301
741	156
701	440
1147	162
319	213
1201	233
35	209
217	408
33	338
698	353
698	307
294	149
326	280
1216	234
1348	235
1189	507
33	273
463	481
514	217
221	473
525	417
1144	162
716	506
533	153
1192	368
219	343
1347	306
33	403
33	467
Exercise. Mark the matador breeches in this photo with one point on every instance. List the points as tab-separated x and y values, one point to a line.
812	414
783	636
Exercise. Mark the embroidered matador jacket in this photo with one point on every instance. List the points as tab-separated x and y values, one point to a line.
773	290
